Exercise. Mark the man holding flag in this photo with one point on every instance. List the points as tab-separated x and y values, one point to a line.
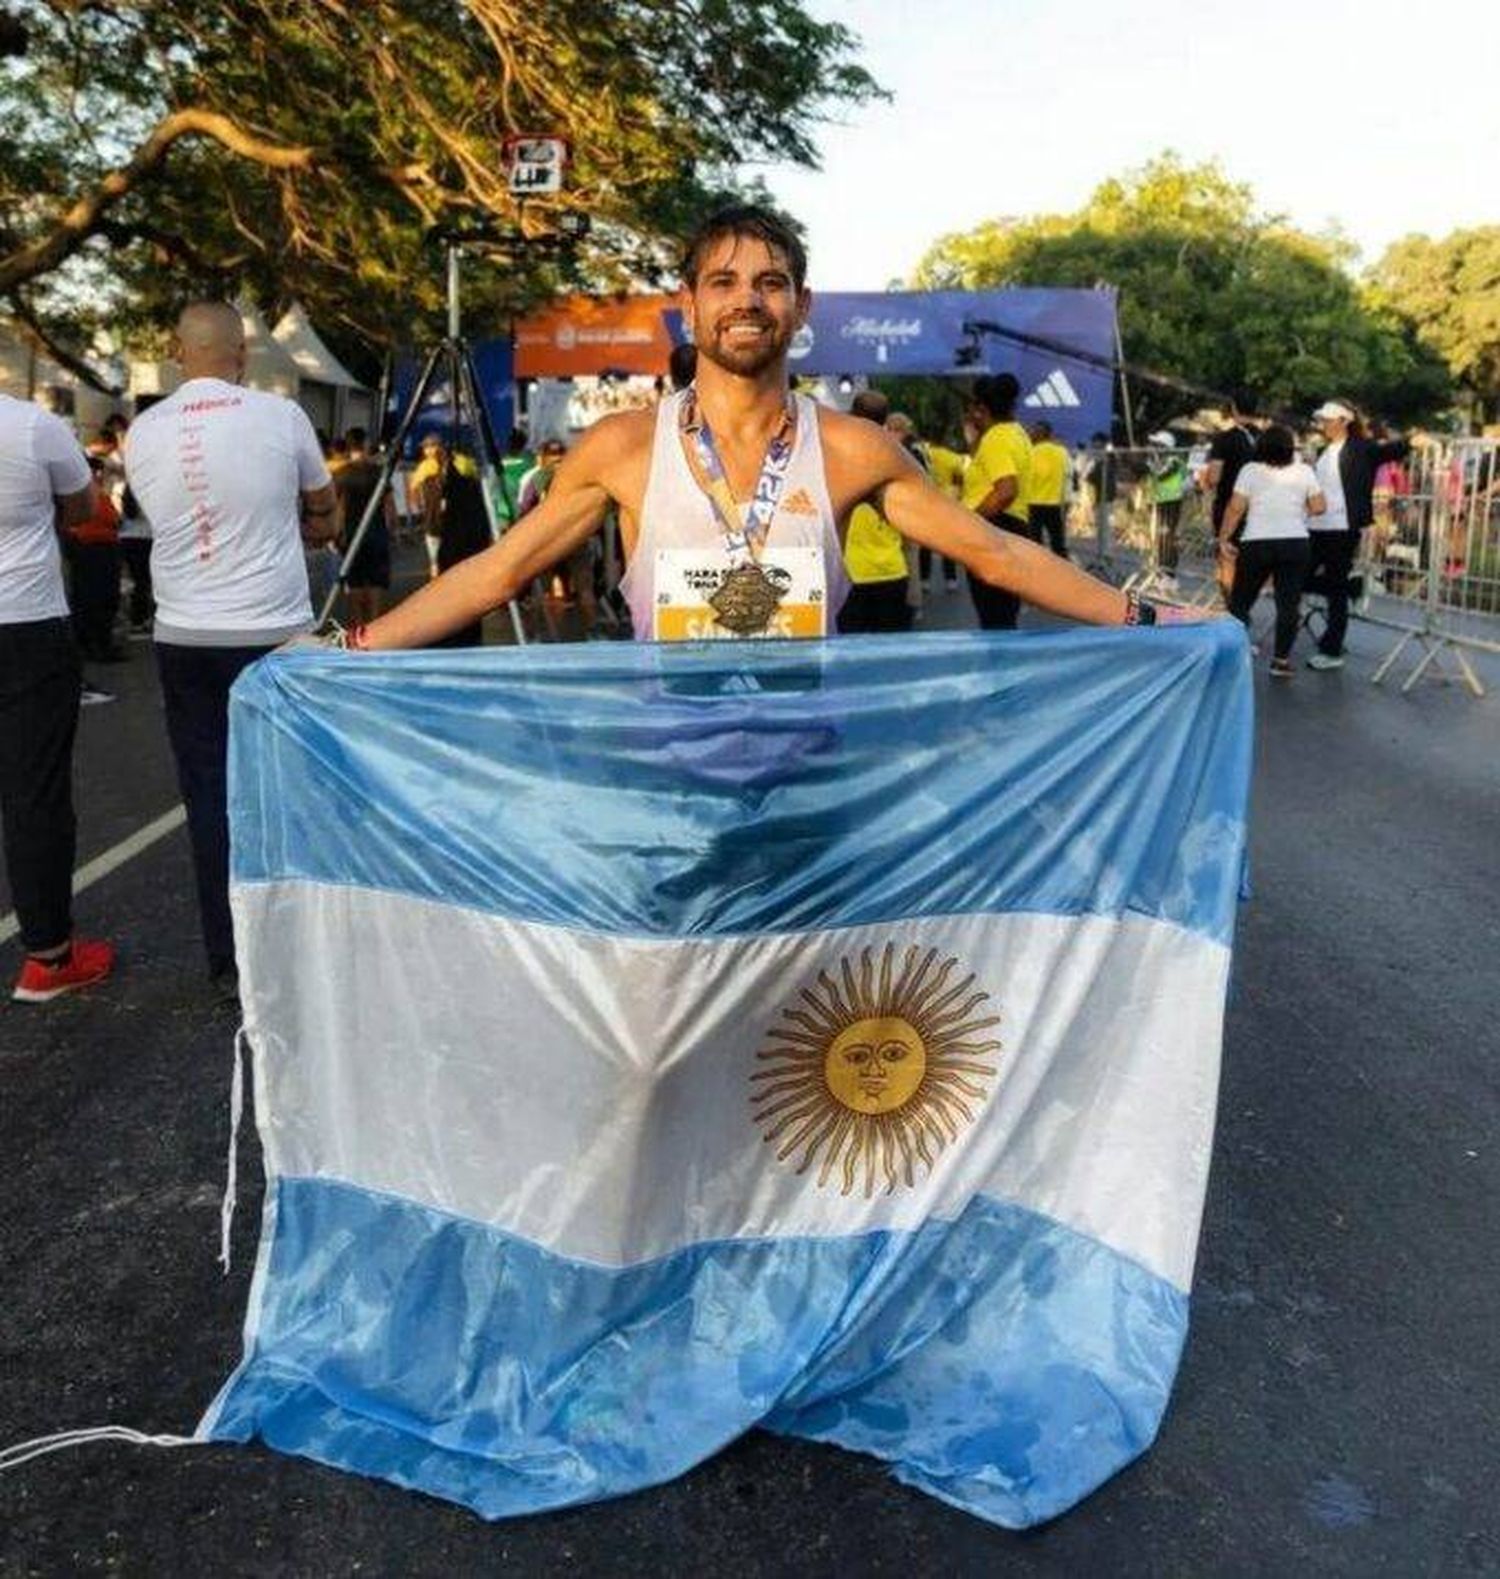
731	493
820	1036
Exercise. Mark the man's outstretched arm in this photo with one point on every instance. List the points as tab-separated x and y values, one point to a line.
567	517
920	511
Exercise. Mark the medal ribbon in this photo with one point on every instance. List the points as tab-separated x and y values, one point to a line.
744	536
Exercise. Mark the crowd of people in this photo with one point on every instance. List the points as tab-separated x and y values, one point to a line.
232	525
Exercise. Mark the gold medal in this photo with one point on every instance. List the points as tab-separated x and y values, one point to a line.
746	599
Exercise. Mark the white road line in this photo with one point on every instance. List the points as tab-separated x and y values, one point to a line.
102	865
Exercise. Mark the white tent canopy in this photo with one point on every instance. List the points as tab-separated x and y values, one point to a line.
267	363
297	337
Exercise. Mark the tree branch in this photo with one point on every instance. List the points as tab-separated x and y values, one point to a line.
36	334
84	217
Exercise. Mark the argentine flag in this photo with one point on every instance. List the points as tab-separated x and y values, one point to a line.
651	1043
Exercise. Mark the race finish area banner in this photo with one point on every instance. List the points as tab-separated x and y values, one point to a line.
656	1042
1059	342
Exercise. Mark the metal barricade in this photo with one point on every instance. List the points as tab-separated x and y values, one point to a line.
1433	561
1130	535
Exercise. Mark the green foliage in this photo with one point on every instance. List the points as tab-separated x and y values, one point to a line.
1210	292
344	133
1450	291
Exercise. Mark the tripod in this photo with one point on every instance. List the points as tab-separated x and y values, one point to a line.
454	354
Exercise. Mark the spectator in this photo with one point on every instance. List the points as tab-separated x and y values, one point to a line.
996	484
135	542
577	571
946	467
231	479
93	549
462	527
1264	533
44	480
368	576
513	469
874	553
1169	481
1228	450
1049	486
1346	475
425	492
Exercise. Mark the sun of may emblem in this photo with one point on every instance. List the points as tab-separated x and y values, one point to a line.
875	1074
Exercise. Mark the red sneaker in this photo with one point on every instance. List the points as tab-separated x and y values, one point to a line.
91	961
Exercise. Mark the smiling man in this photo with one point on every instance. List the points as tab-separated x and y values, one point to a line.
733	494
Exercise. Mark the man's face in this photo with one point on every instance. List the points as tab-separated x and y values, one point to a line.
745	307
1333	428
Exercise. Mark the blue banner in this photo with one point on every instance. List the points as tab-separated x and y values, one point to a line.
923	332
494	367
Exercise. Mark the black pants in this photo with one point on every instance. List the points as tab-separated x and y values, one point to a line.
875	606
1168	515
96	595
924	565
1284	560
1332	560
999	610
136	552
39	683
1048	521
195	685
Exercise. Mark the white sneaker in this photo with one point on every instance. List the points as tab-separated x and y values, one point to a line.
1323	660
92	696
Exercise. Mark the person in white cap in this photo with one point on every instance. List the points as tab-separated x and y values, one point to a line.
1346	478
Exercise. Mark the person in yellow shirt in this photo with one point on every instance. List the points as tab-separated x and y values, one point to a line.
997	483
1049	487
874	553
946	468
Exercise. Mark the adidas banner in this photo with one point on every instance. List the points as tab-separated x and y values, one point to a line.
923	332
873	332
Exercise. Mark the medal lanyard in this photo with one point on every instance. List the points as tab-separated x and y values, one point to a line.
744	535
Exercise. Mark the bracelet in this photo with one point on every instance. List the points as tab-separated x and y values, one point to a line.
1138	611
348	638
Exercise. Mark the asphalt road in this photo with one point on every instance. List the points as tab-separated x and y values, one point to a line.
1335	1411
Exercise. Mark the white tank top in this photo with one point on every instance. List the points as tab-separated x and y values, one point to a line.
680	557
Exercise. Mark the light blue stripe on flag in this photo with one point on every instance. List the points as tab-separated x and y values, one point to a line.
659	791
999	1361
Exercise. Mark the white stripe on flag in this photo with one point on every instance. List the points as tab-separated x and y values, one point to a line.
593	1093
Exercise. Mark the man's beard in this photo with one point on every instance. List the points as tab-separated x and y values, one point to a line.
748	359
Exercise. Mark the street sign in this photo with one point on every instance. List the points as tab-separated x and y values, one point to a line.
535	163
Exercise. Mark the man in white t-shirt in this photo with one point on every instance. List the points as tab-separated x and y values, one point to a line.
45	484
232	481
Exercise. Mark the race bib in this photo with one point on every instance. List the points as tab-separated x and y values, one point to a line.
687	580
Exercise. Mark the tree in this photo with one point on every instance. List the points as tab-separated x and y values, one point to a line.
1450	291
1211	292
304	148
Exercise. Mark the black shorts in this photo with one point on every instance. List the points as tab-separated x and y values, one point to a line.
371	566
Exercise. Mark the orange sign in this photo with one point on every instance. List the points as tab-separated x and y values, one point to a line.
595	334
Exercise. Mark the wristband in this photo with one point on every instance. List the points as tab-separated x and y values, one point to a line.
348	638
1138	611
